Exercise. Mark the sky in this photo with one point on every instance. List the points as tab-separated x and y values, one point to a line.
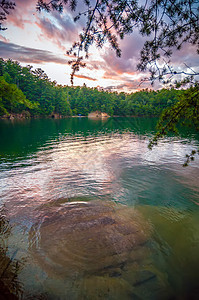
42	39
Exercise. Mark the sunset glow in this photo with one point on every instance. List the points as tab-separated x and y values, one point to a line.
42	39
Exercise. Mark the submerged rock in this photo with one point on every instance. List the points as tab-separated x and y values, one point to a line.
97	287
88	237
100	246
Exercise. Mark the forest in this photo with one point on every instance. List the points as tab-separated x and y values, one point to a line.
31	93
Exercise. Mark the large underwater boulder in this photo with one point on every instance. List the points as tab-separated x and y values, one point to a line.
84	237
101	246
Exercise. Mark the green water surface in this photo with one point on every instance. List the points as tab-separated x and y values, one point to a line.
146	246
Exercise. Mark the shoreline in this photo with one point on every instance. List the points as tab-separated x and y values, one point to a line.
22	116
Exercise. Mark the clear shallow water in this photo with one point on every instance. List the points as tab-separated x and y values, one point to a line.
48	164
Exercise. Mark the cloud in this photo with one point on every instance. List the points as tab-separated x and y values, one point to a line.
28	55
55	26
128	85
85	77
22	13
185	58
60	29
131	46
115	75
118	66
2	38
127	63
94	65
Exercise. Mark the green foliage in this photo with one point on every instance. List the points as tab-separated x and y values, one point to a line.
62	106
185	112
12	99
46	98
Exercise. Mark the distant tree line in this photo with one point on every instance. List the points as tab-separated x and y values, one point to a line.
31	92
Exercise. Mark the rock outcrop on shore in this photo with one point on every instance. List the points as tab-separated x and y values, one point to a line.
98	115
20	116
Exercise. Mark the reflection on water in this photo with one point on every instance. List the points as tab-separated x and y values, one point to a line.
84	241
94	214
10	286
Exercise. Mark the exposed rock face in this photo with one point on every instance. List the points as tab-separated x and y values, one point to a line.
98	115
24	115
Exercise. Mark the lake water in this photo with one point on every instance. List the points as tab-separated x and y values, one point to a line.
87	211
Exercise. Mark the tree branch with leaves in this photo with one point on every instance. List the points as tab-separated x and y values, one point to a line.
165	24
5	7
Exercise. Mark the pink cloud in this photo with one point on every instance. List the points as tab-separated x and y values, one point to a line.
60	30
22	13
85	77
3	39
